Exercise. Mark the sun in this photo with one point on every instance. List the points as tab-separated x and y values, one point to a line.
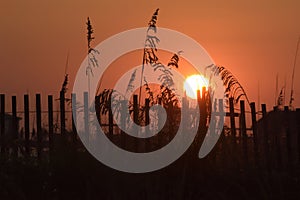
193	83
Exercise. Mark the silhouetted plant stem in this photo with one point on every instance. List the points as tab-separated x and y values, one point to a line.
92	61
152	26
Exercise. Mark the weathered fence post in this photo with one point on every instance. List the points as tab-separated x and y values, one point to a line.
147	109
14	116
264	110
136	118
74	115
201	100
254	129
198	96
39	124
232	120
243	132
50	123
110	122
26	122
202	106
86	116
2	122
14	124
110	119
159	123
198	139
97	108
135	109
147	122
62	113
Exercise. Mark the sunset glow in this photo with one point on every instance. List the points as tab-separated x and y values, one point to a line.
193	83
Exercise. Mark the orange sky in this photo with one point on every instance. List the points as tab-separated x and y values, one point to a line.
255	40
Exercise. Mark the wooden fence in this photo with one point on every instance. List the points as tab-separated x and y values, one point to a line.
274	140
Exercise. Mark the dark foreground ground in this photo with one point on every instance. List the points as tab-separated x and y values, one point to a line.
73	174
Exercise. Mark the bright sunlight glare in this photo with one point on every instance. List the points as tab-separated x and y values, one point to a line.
193	83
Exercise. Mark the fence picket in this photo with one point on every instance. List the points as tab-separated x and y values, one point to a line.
2	122
39	124
62	112
26	122
50	122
